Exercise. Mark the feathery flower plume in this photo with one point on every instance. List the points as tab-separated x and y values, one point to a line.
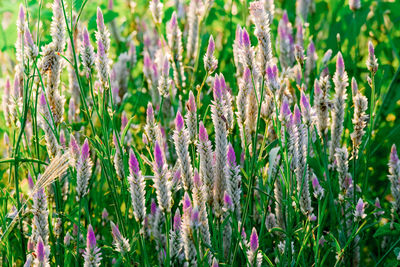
360	119
46	121
137	189
305	108
83	171
161	180
92	254
372	61
318	190
31	50
187	232
87	52
234	179
42	254
262	31
241	102
341	82
58	26
237	51
181	141
118	160
342	166
193	19
176	246
310	60
394	178
206	163
164	80
359	212
151	129
269	7
227	95
40	229
102	65
102	34
121	243
221	143
156	8
247	53
191	117
321	105
174	36
210	62
286	43
253	247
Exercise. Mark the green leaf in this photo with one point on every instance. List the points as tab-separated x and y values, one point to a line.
387	230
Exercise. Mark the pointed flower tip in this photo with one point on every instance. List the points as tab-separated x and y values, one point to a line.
246	38
196	178
150	111
177	221
215	263
114	229
42	100
211	46
91	238
305	104
100	18
203	136
217	89
371	49
393	154
317	88
21	14
254	240
187	204
179	123
133	163
86	39
340	63
228	200
296	115
40	251
192	102
85	149
158	157
30	181
231	156
354	86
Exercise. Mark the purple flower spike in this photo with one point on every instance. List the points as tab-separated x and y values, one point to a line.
177	176
133	163
195	218
393	155
371	50
158	156
187	204
203	136
217	89
40	251
315	182
192	103
100	19
296	115
285	110
101	51
246	38
179	123
228	200
196	178
115	230
150	111
30	181
28	37
86	38
165	69
222	82
177	221
211	46
91	238
104	214
285	17
305	104
62	139
85	150
147	61
254	240
317	88
359	212
173	22
247	76
231	156
30	245
21	14
42	100
340	64
74	146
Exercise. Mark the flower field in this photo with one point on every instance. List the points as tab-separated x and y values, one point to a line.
200	133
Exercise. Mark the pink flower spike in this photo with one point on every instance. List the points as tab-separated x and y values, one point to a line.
228	200
179	123
305	104
100	19
246	38
203	136
317	88
196	178
296	115
254	240
150	111
187	204
30	181
231	156
177	221
110	4
158	156
393	155
91	238
21	14
42	100
217	89
86	38
340	64
354	86
133	163
85	150
211	46
371	50
40	251
192	102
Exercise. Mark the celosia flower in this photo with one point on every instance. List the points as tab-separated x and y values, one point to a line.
137	188
359	212
161	180
121	243
92	254
210	62
83	171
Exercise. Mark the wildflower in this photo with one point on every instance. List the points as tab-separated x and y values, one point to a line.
321	103
360	118
102	34
285	41
174	36
156	8
181	140
40	229
318	190
151	128
32	50
194	16
42	254
394	178
175	237
102	65
210	62
247	53
342	166
83	171
191	117
121	244
341	82
253	246
221	142
137	188
310	60
272	78
206	164
92	254
262	31
372	61
87	52
161	180
305	108
359	212
303	8
187	238
234	179
164	81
